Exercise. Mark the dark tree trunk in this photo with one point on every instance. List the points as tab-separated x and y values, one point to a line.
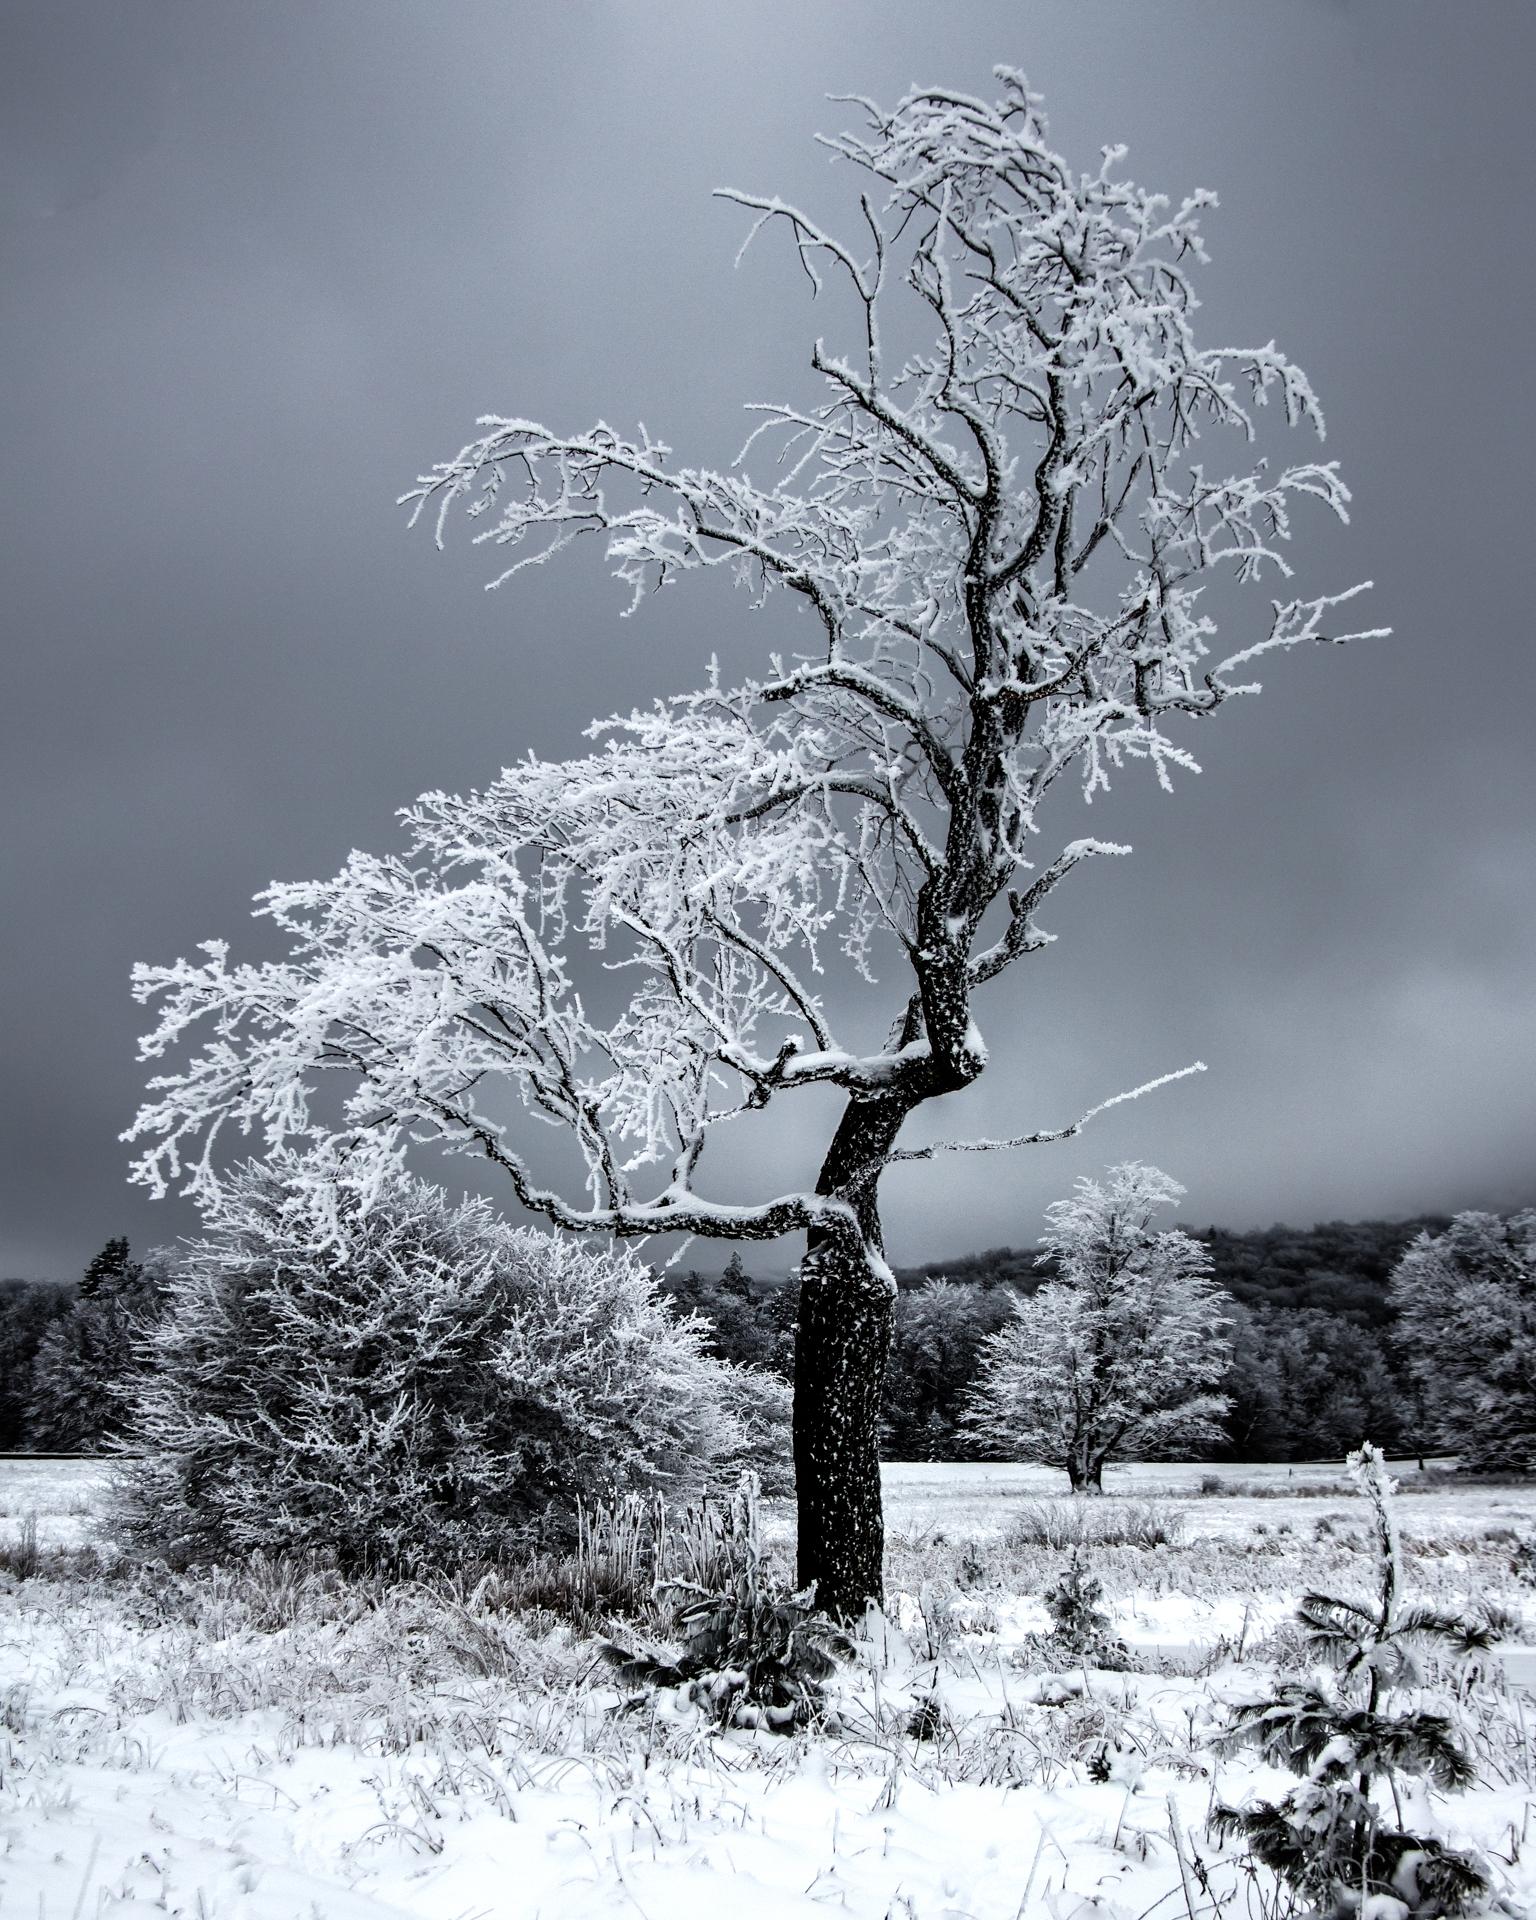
847	1307
846	1311
1085	1473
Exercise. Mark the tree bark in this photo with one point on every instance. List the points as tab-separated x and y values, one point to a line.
847	1308
846	1311
1085	1474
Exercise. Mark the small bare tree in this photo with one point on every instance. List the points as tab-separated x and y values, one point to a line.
999	539
1121	1354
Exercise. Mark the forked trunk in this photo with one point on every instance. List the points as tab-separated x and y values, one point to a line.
1085	1473
846	1312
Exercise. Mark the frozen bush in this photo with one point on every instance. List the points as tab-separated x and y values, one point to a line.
436	1390
1069	1524
752	1654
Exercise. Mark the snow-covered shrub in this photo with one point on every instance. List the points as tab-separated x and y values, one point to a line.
1329	1840
438	1388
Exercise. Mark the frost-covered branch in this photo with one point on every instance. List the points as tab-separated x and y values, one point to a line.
1021	934
1049	1134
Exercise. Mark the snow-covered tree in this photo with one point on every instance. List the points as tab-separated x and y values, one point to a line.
83	1368
438	1387
1121	1354
996	515
1466	1327
937	1336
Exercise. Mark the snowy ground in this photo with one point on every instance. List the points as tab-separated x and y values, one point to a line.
251	1747
59	1496
1253	1500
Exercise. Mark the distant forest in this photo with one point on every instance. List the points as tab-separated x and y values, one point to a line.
1314	1368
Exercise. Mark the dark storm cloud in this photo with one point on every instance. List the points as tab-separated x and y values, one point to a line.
259	265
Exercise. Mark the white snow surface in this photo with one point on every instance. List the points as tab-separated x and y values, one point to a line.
349	1768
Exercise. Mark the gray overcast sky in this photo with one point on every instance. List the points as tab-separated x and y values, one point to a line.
259	265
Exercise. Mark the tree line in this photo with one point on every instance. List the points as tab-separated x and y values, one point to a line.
1320	1360
65	1347
1331	1335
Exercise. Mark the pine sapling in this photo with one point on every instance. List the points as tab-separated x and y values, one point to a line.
1080	1628
1352	1742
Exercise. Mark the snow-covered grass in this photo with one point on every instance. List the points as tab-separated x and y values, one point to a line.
266	1744
61	1495
1229	1500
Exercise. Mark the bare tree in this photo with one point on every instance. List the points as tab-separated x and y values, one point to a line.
1120	1354
998	539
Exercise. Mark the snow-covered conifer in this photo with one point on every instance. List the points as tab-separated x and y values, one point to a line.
436	1388
1121	1354
82	1371
1466	1306
996	513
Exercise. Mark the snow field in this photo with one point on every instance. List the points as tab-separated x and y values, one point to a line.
258	1745
58	1497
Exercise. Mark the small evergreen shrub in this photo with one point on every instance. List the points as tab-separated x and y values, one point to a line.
1348	1739
1080	1628
1081	1633
438	1390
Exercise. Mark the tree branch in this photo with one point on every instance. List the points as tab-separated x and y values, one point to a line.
1050	1134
